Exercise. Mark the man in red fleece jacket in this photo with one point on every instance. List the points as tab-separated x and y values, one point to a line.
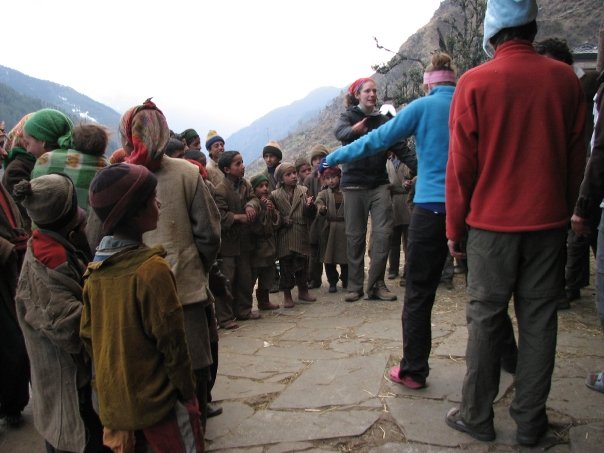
516	158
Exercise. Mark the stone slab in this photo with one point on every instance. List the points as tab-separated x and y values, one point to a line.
571	397
453	345
227	388
233	414
287	426
289	446
587	438
445	382
261	329
228	343
581	344
335	383
410	448
249	366
299	350
352	347
387	329
423	420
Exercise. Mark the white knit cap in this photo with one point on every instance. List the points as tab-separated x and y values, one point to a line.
502	14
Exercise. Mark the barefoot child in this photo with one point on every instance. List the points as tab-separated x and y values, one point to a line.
293	249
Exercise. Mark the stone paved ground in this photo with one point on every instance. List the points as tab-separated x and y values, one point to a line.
312	379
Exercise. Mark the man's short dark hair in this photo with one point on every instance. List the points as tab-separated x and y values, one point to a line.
526	32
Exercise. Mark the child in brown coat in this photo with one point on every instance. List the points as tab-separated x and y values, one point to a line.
232	196
293	249
263	237
330	203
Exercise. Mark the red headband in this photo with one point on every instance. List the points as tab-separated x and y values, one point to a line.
358	84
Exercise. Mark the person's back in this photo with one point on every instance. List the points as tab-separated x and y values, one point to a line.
516	158
522	160
132	320
48	306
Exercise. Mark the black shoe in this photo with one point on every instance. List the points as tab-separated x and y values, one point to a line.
530	439
392	275
333	289
453	419
213	410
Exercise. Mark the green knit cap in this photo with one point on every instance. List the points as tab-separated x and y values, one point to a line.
51	126
257	180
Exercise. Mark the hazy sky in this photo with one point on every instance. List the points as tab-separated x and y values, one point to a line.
207	65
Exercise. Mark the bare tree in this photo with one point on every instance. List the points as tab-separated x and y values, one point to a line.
460	35
464	38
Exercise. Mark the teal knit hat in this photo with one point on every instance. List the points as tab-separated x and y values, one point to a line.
51	126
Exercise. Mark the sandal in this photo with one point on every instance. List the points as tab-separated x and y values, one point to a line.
454	420
407	381
595	381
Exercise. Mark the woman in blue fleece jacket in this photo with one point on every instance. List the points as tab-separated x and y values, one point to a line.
427	119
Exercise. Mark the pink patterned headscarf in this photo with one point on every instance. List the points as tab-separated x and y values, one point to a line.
144	132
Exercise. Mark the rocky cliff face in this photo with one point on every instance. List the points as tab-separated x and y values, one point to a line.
578	22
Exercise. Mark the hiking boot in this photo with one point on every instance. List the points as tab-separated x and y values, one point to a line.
381	292
353	296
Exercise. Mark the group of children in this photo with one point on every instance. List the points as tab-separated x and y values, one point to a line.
270	218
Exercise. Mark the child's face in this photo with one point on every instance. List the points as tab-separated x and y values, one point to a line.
304	171
147	217
236	169
195	144
316	161
34	146
261	190
290	178
271	160
333	181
